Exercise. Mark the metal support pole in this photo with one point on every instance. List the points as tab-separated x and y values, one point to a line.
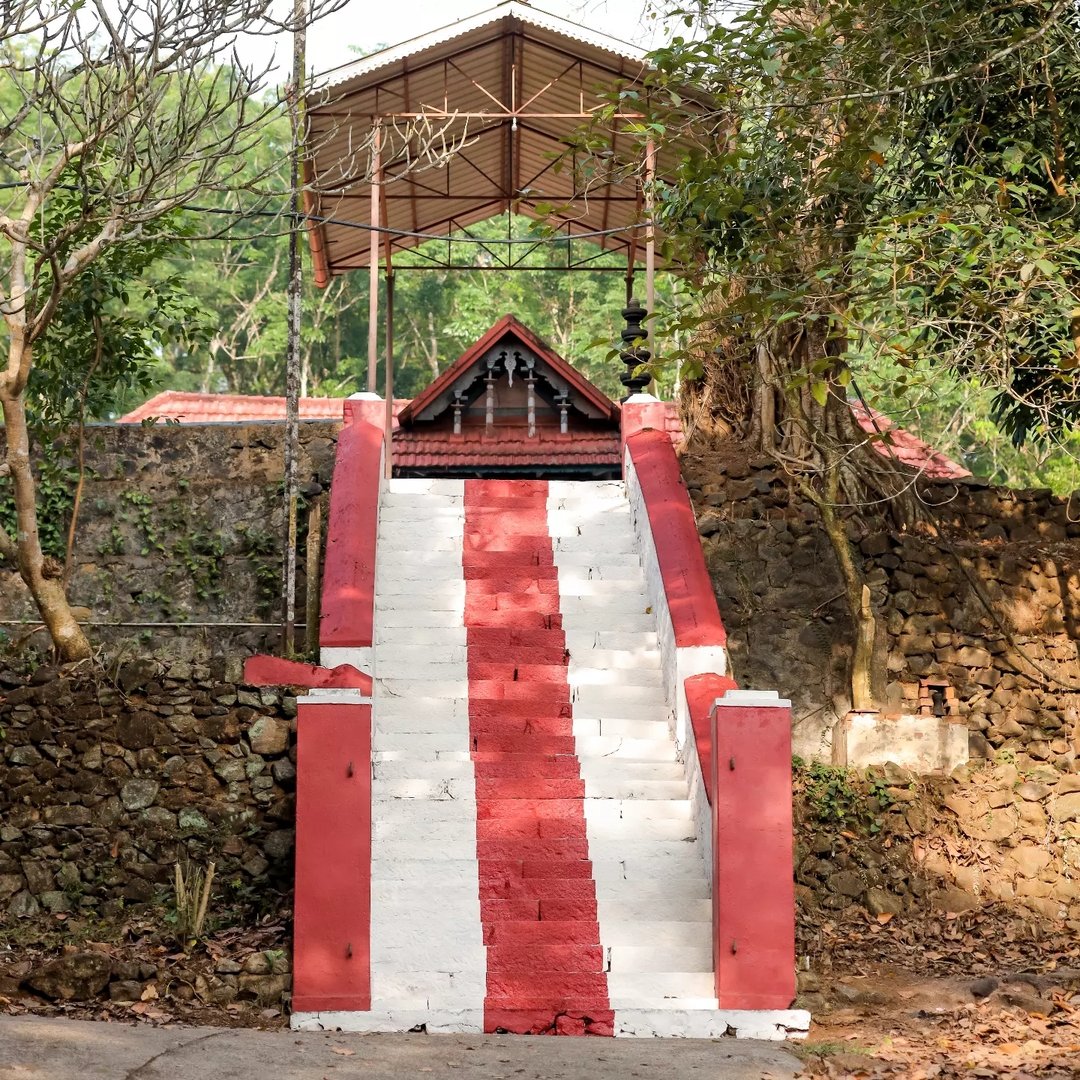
373	275
314	582
650	234
389	367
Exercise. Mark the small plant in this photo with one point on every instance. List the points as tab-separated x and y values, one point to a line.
192	899
835	799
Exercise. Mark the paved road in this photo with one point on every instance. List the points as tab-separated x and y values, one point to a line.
43	1048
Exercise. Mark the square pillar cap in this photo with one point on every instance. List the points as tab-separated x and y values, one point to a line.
752	699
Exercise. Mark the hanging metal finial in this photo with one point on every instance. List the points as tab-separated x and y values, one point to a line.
634	354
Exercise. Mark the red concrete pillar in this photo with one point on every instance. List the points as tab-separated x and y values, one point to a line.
753	880
332	918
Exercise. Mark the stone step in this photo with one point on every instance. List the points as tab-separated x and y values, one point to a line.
606	639
696	909
590	658
656	797
659	959
629	729
446	596
466	847
659	933
394	745
437	988
528	828
613	606
630	986
582	562
445	660
401	1014
689	887
417	563
418	618
613	520
615	787
612	543
585	673
600	588
625	777
389	638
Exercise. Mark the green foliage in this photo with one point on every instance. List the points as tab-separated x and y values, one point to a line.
882	186
242	279
56	486
842	798
264	553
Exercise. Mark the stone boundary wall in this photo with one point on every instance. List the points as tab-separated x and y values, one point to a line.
985	834
181	524
107	779
989	608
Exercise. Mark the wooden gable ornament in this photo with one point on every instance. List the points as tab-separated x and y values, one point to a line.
510	379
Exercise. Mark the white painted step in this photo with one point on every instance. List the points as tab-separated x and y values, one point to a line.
633	729
613	606
612	661
613	787
650	869
626	986
587	543
580	641
660	959
390	772
647	828
584	562
393	637
420	850
665	908
637	810
659	933
601	746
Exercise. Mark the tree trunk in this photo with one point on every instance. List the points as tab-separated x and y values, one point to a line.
42	579
857	593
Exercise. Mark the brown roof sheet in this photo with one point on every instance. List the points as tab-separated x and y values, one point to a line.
513	85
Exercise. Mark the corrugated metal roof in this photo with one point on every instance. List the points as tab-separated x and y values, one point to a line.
461	27
509	87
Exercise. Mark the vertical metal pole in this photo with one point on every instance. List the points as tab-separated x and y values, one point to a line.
314	584
650	234
373	275
294	317
389	366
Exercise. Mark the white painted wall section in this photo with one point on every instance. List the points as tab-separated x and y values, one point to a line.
677	664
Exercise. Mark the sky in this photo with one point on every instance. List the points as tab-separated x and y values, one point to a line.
367	25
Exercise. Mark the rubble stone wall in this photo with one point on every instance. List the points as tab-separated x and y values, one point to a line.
988	606
180	535
108	779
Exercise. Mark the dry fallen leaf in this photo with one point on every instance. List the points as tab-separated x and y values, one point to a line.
884	917
344	1051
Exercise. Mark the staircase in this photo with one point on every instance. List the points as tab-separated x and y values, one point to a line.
535	866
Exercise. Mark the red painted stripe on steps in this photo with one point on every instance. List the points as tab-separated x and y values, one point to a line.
537	895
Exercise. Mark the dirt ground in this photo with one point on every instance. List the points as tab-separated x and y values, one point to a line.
989	993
